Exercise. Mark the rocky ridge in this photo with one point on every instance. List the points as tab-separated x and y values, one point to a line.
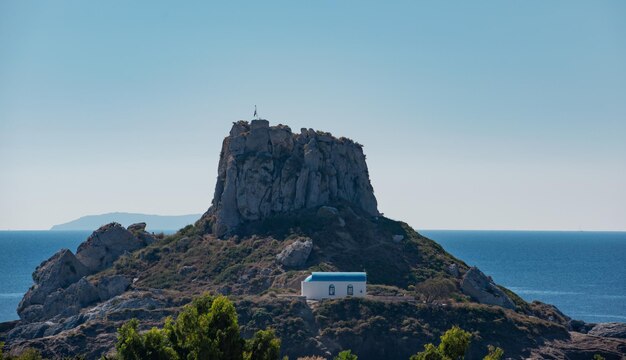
61	287
265	170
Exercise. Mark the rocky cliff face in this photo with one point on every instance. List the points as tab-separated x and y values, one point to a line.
265	170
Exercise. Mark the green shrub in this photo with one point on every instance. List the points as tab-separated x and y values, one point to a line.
205	329
453	345
153	344
495	353
455	342
28	354
264	345
431	352
435	289
346	355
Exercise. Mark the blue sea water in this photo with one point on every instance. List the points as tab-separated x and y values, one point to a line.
20	253
583	273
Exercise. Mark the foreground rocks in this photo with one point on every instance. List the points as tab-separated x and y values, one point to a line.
267	170
484	290
61	287
581	347
92	332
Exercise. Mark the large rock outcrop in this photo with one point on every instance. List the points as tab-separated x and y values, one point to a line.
484	290
265	170
107	244
61	287
613	330
58	272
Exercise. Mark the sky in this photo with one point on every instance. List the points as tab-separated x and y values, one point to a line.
474	115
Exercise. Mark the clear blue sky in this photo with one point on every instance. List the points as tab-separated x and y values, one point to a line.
474	115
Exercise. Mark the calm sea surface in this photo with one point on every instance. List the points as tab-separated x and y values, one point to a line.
583	273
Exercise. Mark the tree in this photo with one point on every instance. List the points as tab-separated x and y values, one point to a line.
495	353
431	352
154	344
455	342
453	345
205	329
264	345
435	289
598	357
223	329
346	355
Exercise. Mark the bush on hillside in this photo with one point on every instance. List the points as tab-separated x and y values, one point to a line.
453	345
205	329
346	355
495	353
28	354
264	345
435	289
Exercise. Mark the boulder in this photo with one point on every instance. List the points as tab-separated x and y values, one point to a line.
296	253
613	330
69	301
139	231
484	290
265	170
137	227
397	238
107	244
110	286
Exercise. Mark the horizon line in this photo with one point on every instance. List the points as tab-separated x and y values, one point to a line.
416	229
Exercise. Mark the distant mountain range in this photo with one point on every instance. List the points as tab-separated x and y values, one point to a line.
154	222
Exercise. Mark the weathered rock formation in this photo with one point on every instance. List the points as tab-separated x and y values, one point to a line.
296	253
266	170
58	272
107	244
484	290
613	330
61	287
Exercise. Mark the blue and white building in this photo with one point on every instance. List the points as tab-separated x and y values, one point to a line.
334	285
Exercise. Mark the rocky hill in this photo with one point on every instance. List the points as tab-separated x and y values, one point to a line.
287	204
267	170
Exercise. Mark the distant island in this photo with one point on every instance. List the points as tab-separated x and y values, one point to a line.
154	222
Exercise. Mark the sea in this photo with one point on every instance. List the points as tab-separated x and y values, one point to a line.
582	273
